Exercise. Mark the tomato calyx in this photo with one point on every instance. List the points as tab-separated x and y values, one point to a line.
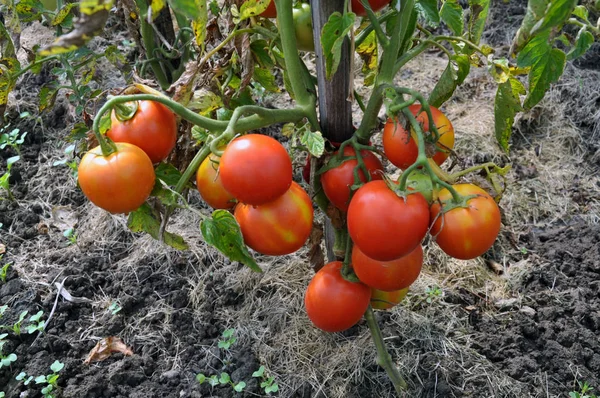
126	110
451	204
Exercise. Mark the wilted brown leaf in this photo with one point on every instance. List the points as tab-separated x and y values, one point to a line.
105	348
315	253
2	249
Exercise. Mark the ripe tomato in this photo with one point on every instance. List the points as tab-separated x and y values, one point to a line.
153	128
118	183
376	5
332	303
381	300
337	181
270	12
303	27
208	182
388	275
401	148
385	226
278	227
256	169
466	233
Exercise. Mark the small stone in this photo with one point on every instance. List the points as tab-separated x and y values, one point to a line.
527	311
170	374
505	304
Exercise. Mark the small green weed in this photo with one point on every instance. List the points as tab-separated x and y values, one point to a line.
268	384
49	381
585	391
433	293
228	339
5	360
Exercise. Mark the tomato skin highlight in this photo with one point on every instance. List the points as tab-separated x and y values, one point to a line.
385	226
388	275
279	227
153	128
337	181
381	300
208	182
332	303
118	183
376	5
466	233
255	169
401	148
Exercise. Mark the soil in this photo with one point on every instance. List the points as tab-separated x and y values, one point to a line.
530	330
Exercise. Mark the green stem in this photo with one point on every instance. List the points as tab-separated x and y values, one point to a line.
383	357
366	31
375	25
150	46
462	39
410	54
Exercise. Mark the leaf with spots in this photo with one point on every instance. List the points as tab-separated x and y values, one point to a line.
223	232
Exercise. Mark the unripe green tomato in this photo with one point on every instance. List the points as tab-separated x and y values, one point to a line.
303	27
420	181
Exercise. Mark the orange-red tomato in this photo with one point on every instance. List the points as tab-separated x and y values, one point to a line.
279	227
270	12
336	182
118	183
381	300
401	148
376	5
385	226
153	128
332	303
388	275
256	169
466	233
208	182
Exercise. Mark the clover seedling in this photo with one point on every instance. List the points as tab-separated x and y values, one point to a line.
267	383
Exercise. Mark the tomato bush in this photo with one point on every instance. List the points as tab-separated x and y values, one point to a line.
255	169
153	128
208	182
466	233
118	183
278	227
332	303
336	182
388	275
400	146
385	226
376	5
381	300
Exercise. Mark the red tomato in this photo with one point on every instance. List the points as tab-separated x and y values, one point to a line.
208	182
401	148
381	300
256	169
270	12
466	233
279	227
388	275
337	182
153	128
118	183
376	5
332	303
385	226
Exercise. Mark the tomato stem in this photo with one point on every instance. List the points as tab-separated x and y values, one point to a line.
383	39
383	357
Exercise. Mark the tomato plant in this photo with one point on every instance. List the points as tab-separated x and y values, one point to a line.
388	275
303	27
120	182
400	147
465	232
153	128
381	300
385	226
376	5
332	303
336	182
208	182
255	169
278	227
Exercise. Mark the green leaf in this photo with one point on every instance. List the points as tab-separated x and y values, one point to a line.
332	37
145	219
199	24
499	69
188	8
534	51
583	42
479	13
260	51
40	379
314	142
535	12
62	14
10	161
239	387
581	12
260	372
223	232
105	123
454	75
200	378
266	78
272	388
428	10
452	15
57	366
556	14
168	174
251	8
224	378
36	317
213	380
506	106
227	333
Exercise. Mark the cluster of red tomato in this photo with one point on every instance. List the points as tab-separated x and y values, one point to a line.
122	181
274	213
387	229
